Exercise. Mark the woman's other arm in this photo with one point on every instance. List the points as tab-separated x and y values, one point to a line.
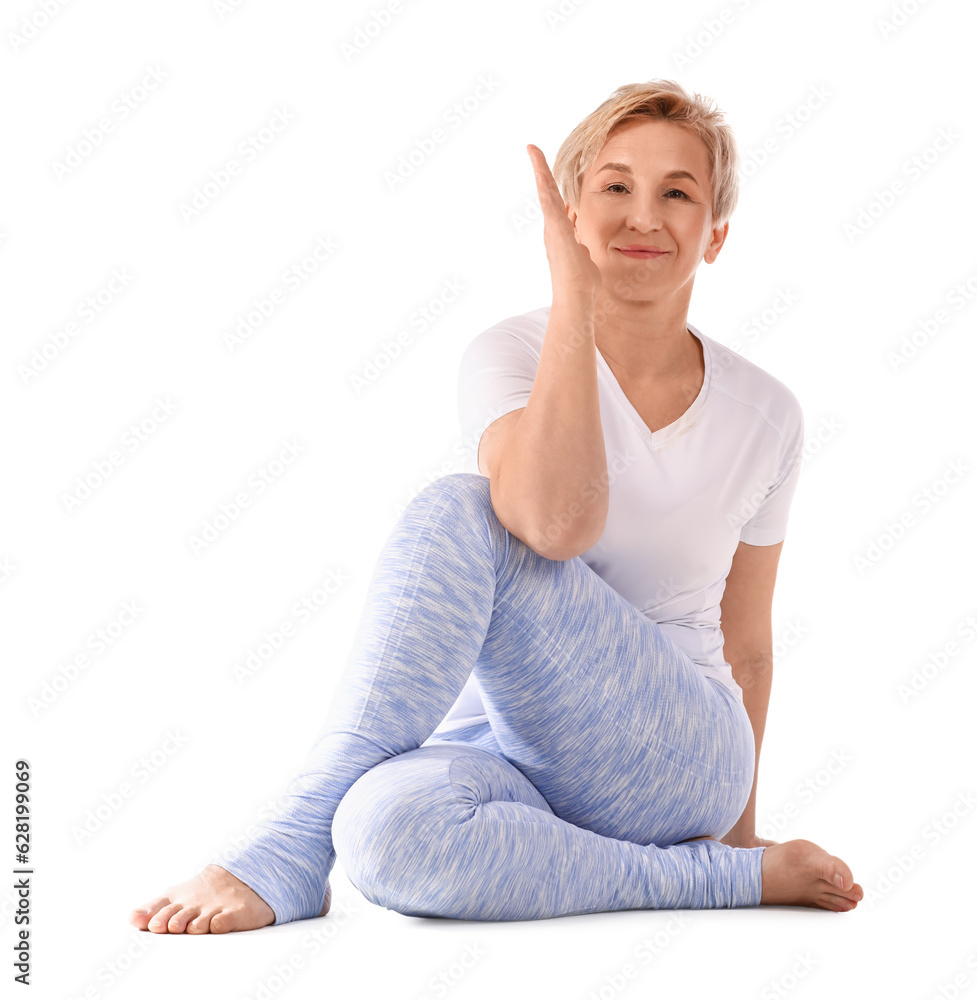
748	648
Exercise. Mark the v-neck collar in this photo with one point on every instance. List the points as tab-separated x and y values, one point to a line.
656	439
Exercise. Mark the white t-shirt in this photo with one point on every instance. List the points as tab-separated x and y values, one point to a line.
679	500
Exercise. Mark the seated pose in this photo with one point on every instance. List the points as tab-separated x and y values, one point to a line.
555	698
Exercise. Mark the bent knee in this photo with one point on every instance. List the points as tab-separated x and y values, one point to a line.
404	827
388	827
465	489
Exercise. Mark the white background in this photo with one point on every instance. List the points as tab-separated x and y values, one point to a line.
852	622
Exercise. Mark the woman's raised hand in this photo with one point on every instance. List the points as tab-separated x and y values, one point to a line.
572	270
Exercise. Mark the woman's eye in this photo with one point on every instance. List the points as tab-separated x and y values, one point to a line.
610	187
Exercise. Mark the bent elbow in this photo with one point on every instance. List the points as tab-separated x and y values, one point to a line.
562	545
553	536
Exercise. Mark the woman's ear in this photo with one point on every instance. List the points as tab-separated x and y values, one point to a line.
718	239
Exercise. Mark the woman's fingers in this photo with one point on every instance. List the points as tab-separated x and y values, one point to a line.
549	191
571	268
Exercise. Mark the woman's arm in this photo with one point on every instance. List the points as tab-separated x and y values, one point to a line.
541	460
748	648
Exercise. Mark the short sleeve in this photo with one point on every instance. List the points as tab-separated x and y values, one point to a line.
495	376
768	525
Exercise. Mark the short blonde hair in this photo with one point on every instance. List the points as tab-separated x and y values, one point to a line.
662	100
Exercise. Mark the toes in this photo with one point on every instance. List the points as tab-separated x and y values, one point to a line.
222	922
158	924
840	904
178	922
140	918
837	873
237	918
207	907
201	924
851	890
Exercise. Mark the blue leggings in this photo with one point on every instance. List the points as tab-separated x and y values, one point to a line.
605	745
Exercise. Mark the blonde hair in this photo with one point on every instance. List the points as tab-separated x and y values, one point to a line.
661	100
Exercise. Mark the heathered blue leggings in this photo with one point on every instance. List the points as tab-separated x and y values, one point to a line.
605	745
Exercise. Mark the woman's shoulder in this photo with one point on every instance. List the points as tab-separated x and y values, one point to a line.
526	329
532	323
738	379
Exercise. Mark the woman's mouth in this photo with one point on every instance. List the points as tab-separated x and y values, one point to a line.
643	252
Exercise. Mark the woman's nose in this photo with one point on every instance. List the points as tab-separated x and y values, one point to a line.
644	215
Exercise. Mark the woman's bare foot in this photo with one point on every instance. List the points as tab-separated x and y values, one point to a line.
799	873
212	902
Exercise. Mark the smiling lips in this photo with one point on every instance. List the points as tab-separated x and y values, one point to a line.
641	250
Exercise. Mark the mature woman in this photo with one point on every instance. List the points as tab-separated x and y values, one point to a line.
541	714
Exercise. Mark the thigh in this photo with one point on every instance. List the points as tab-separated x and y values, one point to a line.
607	717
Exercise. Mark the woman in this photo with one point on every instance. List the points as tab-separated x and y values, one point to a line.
634	473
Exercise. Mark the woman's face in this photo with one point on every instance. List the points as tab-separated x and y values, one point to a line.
643	201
